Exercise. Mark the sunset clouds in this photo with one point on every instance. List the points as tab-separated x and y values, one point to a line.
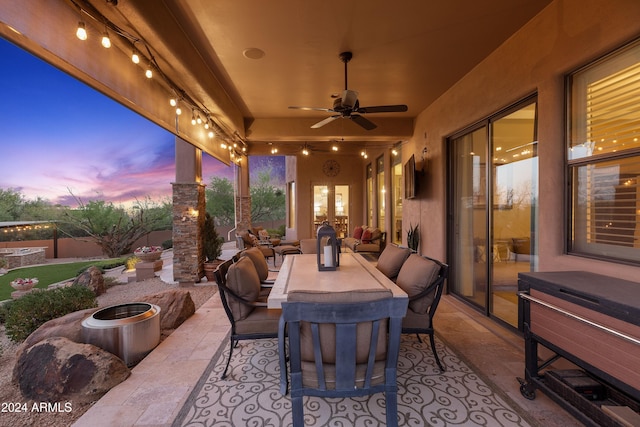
60	137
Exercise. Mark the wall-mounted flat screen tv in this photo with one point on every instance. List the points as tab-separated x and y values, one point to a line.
410	184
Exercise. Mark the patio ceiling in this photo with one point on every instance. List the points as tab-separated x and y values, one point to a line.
409	54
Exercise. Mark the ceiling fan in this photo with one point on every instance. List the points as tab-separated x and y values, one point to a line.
347	105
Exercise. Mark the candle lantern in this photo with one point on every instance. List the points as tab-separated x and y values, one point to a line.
327	248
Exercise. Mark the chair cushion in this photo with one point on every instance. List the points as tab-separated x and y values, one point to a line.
357	233
308	246
262	320
259	261
366	236
415	275
391	260
242	278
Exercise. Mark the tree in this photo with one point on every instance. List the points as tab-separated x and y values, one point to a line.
114	228
267	201
220	203
11	205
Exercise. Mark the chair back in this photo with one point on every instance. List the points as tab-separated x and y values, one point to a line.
342	349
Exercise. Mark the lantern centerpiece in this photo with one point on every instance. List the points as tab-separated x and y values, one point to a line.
328	248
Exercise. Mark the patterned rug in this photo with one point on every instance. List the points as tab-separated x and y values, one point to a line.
250	395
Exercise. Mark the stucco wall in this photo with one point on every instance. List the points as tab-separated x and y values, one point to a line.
309	173
564	36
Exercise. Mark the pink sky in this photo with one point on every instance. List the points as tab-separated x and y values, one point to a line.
60	136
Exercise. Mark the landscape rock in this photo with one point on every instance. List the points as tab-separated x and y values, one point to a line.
92	278
57	370
176	306
68	326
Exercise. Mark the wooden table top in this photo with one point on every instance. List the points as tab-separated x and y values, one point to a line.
300	272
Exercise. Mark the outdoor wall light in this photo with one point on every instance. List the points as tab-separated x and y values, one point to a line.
81	32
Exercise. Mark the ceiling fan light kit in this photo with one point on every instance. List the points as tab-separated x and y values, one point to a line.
347	106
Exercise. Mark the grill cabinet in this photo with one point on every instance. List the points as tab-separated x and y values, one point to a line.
589	319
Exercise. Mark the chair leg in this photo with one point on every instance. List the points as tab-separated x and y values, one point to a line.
224	374
391	403
419	339
297	411
435	354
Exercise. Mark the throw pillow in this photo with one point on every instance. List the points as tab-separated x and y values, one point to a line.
366	236
242	278
415	275
357	233
391	260
259	261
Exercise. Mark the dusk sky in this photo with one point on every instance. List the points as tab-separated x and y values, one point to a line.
59	135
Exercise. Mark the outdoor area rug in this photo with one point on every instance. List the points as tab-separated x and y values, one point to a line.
250	395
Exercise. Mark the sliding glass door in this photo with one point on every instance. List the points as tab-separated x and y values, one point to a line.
493	209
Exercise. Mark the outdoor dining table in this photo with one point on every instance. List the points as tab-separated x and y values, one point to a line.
300	273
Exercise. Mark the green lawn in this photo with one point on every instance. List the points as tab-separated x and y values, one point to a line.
47	274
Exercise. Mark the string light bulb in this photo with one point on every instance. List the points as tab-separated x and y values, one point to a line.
106	41
135	58
81	32
148	72
211	134
193	117
173	102
178	111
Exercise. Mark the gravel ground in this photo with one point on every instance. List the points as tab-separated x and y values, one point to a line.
16	411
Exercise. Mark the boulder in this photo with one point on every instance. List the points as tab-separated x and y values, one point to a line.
176	306
68	326
57	369
92	278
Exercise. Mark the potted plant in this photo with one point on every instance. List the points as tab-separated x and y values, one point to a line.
148	253
413	238
211	247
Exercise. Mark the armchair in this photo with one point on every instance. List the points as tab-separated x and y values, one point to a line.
422	278
239	289
339	346
246	240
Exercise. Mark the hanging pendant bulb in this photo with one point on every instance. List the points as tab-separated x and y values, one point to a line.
106	41
193	117
135	58
178	111
148	72
211	134
173	102
81	32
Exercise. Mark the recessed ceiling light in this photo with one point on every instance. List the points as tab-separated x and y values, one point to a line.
253	53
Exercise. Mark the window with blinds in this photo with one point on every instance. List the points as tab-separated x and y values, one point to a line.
604	157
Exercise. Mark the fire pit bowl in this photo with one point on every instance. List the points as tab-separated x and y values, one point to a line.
130	331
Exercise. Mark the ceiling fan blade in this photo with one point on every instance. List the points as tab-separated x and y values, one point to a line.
329	110
383	109
324	122
365	123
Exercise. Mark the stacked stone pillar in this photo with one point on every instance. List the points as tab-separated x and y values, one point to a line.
188	222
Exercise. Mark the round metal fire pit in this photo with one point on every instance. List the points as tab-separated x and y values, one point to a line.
130	331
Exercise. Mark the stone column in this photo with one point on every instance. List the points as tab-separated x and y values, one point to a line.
189	210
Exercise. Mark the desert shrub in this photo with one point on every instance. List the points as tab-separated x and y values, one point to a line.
110	281
167	244
35	308
4	309
131	262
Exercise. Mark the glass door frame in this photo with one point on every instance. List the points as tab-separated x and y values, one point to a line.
488	187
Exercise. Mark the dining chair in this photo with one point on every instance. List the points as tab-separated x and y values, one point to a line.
246	240
423	279
341	344
391	259
239	288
